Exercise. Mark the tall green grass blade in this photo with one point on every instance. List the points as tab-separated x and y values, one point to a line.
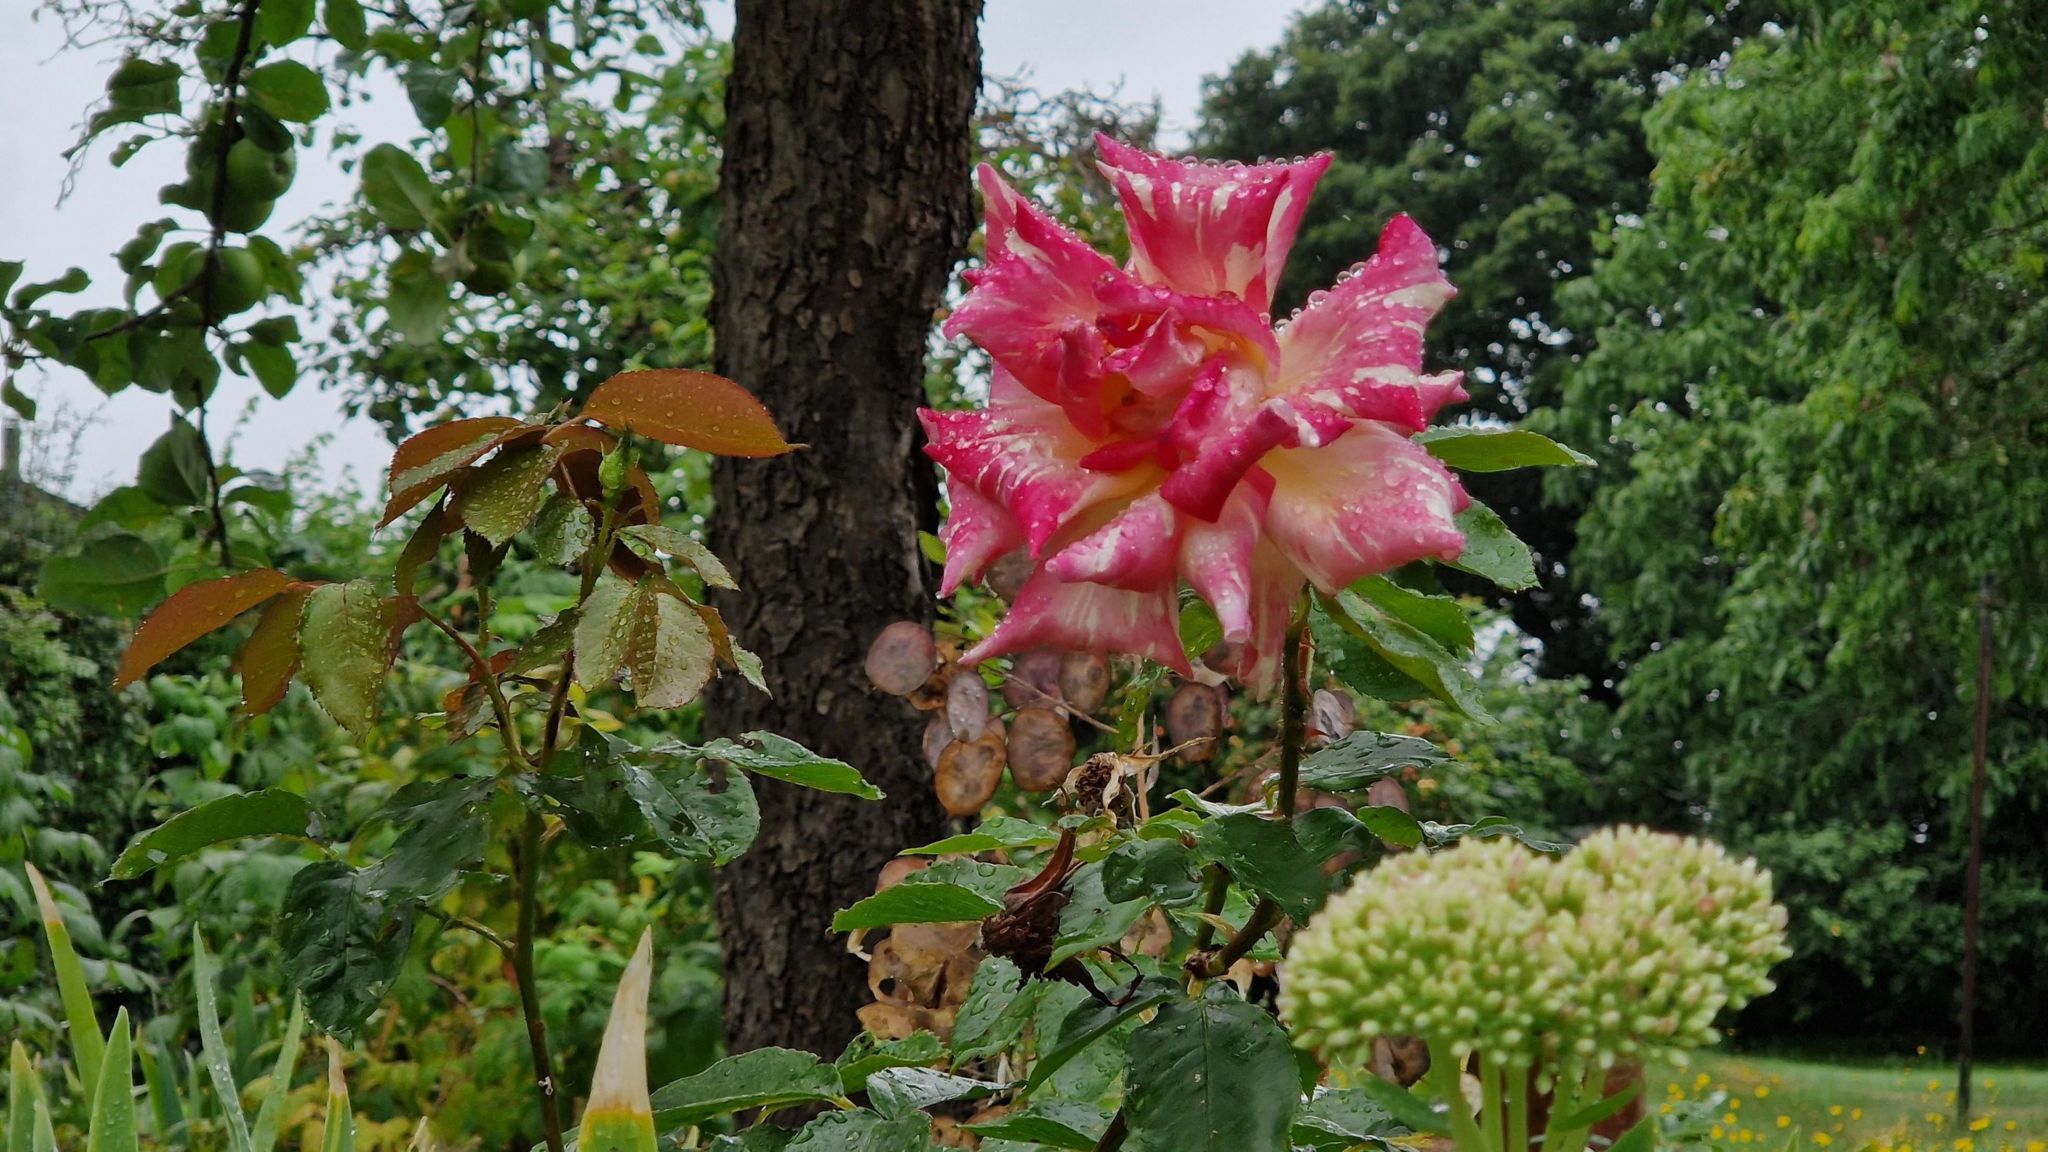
264	1136
218	1067
340	1133
166	1111
113	1127
45	1138
87	1046
23	1088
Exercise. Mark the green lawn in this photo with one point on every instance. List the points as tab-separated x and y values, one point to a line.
1898	1106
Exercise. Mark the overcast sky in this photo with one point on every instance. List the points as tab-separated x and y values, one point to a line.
1159	48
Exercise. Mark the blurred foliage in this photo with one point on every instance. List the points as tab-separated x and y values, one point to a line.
1819	397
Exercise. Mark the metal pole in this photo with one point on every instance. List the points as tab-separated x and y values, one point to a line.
1966	1042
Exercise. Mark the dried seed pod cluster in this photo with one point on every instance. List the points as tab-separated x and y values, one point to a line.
966	743
919	973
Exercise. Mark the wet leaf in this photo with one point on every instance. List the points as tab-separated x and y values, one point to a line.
684	547
341	949
347	639
1356	761
428	459
266	812
604	629
688	409
1494	552
670	655
1471	449
767	754
762	1078
1210	1075
504	496
192	612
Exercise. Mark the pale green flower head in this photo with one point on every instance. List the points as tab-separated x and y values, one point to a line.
1626	948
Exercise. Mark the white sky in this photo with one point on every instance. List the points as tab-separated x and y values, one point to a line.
1152	48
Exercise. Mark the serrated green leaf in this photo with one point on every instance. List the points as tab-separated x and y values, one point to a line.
1050	1123
604	627
1492	551
288	90
867	1054
994	1012
762	1078
767	754
1090	919
864	1131
265	812
396	188
1210	1075
1442	617
1413	652
1353	762
503	496
1406	1108
1498	449
671	655
341	948
1005	832
1264	856
684	547
1160	871
346	639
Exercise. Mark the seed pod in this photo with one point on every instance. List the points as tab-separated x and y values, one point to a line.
1386	792
1041	749
1034	680
1084	680
969	772
1006	576
894	872
1195	713
937	734
966	704
1331	715
934	945
902	658
895	979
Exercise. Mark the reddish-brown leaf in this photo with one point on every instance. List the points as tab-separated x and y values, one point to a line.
270	658
427	459
687	409
192	612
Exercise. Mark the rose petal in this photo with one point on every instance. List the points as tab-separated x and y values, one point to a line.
1358	347
976	533
1022	458
1368	503
1052	613
1134	550
1276	585
1216	561
1208	229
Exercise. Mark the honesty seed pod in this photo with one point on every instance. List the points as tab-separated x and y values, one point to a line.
1194	718
902	658
1034	679
1041	749
969	771
1084	680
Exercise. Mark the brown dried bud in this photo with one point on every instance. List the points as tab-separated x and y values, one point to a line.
902	658
1195	713
970	770
1084	680
1034	680
1041	749
1086	784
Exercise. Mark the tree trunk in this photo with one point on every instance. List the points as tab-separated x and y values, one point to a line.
845	200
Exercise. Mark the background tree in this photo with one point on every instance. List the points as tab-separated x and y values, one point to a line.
1513	133
1819	391
845	200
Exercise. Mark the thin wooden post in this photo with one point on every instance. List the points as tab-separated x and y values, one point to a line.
1972	876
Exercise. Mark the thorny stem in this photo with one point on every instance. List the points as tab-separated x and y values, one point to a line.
1293	729
526	877
508	731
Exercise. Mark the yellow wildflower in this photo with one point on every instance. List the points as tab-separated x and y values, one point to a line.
1980	1123
1784	1121
1822	1139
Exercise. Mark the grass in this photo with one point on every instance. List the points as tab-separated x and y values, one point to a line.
1892	1106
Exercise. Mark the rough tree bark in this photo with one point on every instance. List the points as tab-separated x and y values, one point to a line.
845	200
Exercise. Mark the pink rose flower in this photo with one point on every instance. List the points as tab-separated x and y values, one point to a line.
1151	425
